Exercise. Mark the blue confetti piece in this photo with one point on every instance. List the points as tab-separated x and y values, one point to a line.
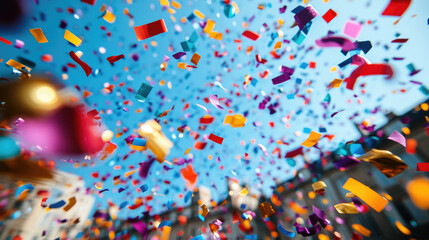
164	223
307	130
243	206
290	96
322	130
16	215
297	9
194	37
188	196
57	204
170	204
201	217
199	237
144	187
286	232
303	65
143	92
298	38
79	235
24	187
251	236
123	204
139	142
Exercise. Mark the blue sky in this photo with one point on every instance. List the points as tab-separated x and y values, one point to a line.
192	86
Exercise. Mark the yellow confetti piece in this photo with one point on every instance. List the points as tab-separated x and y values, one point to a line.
171	11
173	18
209	26
98	187
130	173
109	17
346	208
187	151
278	45
312	139
181	65
176	4
38	35
164	3
243	192
183	20
402	228
69	36
17	65
199	14
366	194
406	130
323	236
335	83
236	7
216	35
361	229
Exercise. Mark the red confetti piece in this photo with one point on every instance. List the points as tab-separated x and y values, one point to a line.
189	174
369	69
396	8
90	2
215	138
251	35
85	67
423	167
200	145
5	41
206	120
150	29
329	15
400	40
113	59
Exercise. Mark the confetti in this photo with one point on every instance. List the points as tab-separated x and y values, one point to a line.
73	39
369	196
38	35
151	29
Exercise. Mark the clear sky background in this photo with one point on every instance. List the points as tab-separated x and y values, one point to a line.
192	86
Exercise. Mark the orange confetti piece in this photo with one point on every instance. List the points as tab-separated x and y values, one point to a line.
38	35
366	194
312	139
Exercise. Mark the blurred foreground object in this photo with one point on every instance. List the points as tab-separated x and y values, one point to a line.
25	169
28	98
69	130
157	142
418	191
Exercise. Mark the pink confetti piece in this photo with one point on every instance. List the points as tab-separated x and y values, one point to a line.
398	137
205	109
352	29
215	101
264	149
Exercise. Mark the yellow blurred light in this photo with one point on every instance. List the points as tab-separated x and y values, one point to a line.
106	136
46	95
424	106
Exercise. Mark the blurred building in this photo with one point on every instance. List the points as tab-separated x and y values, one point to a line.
30	220
382	225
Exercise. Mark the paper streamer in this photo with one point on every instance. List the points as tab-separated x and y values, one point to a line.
83	65
369	69
113	59
22	188
336	41
164	223
72	202
399	138
151	29
366	194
